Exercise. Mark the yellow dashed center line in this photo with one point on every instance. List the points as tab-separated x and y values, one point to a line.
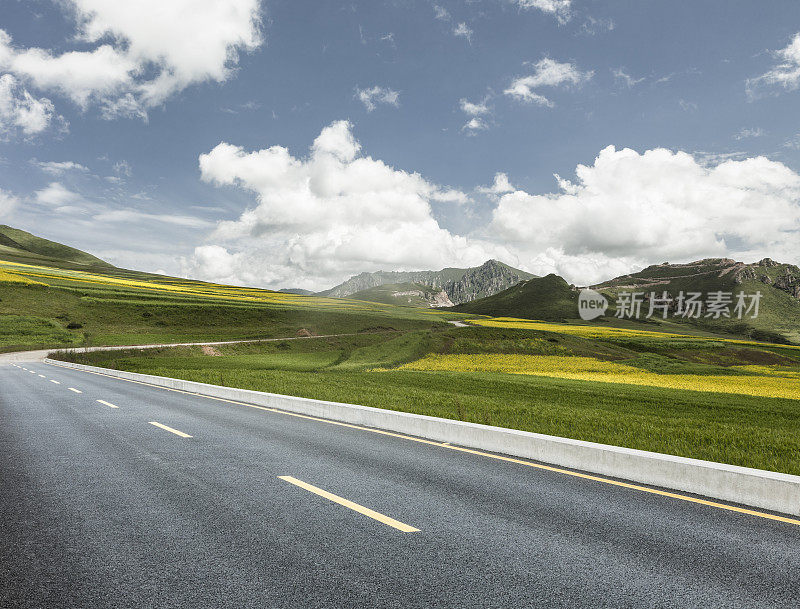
400	526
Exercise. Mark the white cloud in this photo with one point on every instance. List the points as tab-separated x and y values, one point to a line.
785	75
21	112
622	77
745	133
462	30
475	124
79	75
629	209
547	73
592	26
477	111
501	185
128	216
326	216
561	9
56	194
58	168
8	203
146	51
474	108
377	95
123	168
441	13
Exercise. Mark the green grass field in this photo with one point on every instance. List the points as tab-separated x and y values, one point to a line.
733	428
75	308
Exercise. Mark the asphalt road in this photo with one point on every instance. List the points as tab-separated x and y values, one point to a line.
101	507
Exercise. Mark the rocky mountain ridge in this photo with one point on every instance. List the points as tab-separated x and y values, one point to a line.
784	277
459	285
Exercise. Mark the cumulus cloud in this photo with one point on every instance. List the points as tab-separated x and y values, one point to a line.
501	185
325	216
56	194
474	108
59	167
21	112
478	111
785	75
7	203
547	73
630	209
377	95
560	9
474	125
145	51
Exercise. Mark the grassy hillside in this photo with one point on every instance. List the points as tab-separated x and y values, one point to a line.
402	294
779	312
704	397
44	306
549	298
19	246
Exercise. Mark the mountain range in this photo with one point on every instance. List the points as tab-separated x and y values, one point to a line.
778	319
460	285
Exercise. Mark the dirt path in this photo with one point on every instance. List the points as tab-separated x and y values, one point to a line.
40	354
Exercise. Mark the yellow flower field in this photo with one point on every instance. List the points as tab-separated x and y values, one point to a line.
774	383
600	332
21	273
6	277
572	329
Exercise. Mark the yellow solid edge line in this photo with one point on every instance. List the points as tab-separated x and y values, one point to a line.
170	429
349	504
636	487
109	404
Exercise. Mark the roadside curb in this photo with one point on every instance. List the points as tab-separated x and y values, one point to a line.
753	487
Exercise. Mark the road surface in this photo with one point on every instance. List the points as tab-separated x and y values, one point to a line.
119	494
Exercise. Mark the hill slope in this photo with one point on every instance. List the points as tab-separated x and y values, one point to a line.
20	246
460	285
779	284
546	298
406	294
778	319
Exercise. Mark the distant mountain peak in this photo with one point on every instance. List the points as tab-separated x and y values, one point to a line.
460	285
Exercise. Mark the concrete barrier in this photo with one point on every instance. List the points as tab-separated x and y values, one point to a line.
753	487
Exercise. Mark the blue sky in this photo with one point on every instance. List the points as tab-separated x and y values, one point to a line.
134	132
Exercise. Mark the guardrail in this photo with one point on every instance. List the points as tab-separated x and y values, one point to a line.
753	487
